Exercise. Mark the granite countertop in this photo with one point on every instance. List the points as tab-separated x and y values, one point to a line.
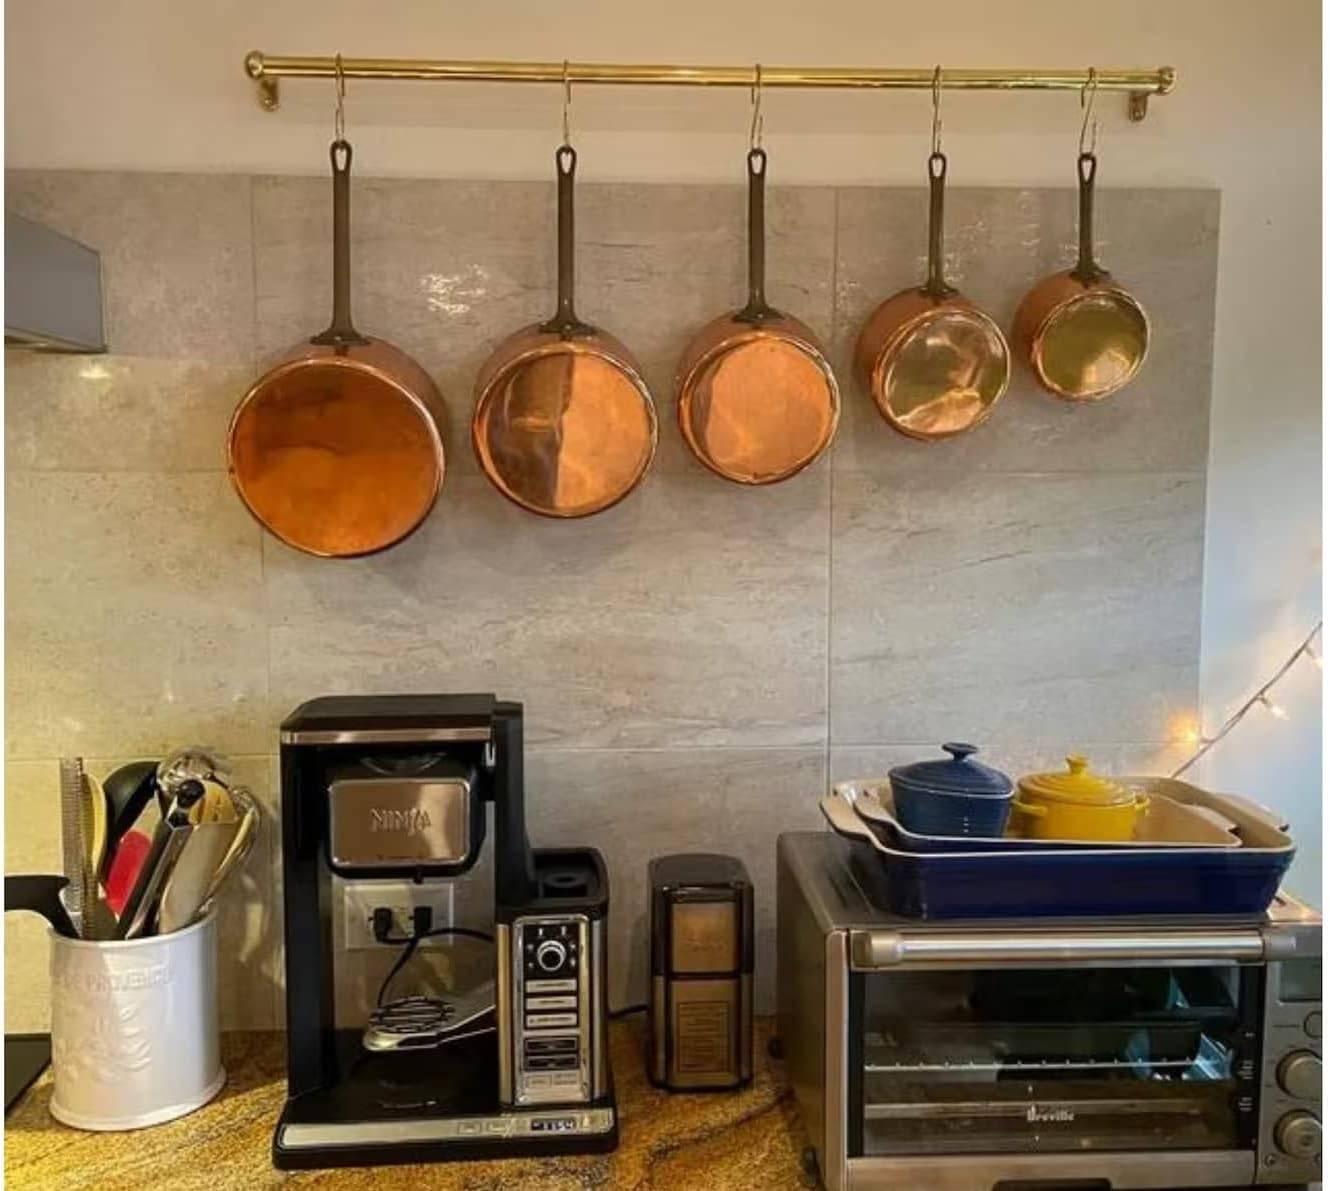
720	1141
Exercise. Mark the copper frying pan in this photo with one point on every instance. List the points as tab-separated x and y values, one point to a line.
1084	335
933	362
758	401
564	423
336	449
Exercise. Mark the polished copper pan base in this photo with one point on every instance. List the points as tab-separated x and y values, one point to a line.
1084	341
757	404
335	452
563	427
935	367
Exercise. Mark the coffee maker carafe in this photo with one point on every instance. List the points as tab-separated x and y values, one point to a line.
397	786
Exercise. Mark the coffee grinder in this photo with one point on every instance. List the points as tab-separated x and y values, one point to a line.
396	786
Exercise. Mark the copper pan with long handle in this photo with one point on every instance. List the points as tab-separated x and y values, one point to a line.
564	423
336	449
933	362
757	400
1084	335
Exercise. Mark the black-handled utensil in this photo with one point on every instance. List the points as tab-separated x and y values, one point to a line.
128	790
40	894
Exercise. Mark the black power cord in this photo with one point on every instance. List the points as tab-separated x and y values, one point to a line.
421	918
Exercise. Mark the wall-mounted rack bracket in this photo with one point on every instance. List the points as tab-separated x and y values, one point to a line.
267	69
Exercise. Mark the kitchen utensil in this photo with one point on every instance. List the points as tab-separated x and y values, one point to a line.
564	424
1070	883
1165	823
40	894
98	921
933	362
187	886
168	841
237	852
73	848
1077	804
757	400
126	864
128	790
336	449
134	1029
1084	335
193	763
956	797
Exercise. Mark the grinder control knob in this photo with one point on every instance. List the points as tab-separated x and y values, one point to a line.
1299	1074
550	955
1298	1134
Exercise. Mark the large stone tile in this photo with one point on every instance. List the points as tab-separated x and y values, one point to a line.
447	269
249	916
1162	244
634	805
134	615
1052	609
118	413
177	259
688	615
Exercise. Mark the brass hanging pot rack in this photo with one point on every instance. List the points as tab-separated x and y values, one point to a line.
267	69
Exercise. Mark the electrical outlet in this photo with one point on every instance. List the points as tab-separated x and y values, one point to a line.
361	898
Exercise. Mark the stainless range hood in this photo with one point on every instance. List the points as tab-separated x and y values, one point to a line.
53	290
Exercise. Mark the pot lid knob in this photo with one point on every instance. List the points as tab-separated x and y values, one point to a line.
959	751
1078	763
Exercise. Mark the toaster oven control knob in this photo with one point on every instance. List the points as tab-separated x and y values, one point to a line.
1299	1074
550	955
1298	1134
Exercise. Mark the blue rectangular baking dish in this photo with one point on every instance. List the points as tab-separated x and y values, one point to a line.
1147	881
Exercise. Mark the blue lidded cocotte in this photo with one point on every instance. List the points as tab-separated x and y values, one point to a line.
955	797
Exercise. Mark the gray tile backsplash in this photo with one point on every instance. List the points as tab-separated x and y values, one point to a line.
695	661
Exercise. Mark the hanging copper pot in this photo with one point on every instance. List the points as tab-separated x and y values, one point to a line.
758	401
933	362
564	423
1084	335
336	449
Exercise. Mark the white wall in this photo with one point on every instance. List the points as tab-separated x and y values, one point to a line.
153	84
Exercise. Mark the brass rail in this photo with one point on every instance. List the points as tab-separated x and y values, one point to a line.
266	69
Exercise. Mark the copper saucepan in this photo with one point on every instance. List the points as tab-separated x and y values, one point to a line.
1084	335
933	362
758	401
336	449
564	423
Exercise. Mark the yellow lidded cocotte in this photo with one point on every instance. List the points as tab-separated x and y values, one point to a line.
1077	804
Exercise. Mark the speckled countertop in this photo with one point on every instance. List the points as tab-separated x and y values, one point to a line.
719	1141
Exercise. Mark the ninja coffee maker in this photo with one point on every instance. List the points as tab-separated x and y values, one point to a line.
395	786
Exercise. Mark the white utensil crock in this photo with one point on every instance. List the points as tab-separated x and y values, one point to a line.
134	1028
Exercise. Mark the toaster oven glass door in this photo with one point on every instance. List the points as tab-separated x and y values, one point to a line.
1054	1060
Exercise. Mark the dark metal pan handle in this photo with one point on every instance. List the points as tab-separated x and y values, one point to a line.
1086	270
565	322
757	309
341	331
936	286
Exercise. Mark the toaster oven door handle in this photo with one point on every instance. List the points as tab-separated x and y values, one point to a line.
871	950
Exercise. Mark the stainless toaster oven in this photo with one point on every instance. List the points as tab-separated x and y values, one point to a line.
1092	1054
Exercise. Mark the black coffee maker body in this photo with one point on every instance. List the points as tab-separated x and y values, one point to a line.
396	786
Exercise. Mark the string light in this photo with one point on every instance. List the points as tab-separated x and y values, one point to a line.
1273	708
1261	696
